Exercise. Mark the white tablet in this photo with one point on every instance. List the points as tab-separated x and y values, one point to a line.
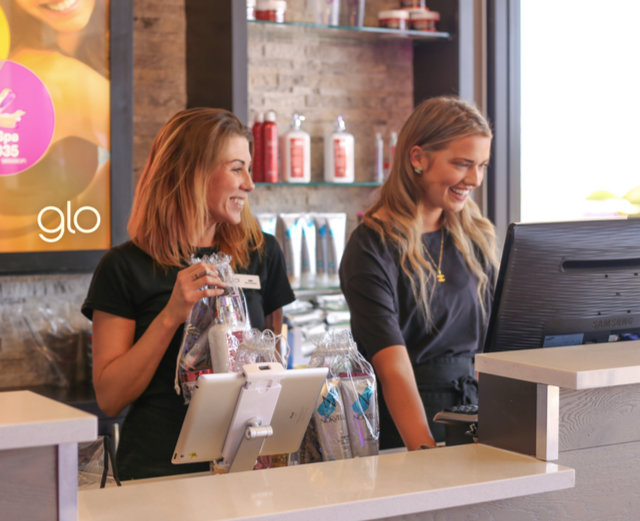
213	403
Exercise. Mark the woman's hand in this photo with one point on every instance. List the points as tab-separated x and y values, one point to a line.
193	283
122	370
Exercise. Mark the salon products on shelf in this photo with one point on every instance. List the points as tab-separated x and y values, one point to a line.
339	154
271	10
258	148
296	152
270	143
411	15
379	165
312	243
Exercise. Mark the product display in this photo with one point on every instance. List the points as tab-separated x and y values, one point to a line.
296	153
292	246
355	12
251	9
394	19
393	141
268	222
271	10
339	154
260	346
327	12
309	263
258	148
417	4
270	144
213	331
348	406
379	172
423	20
336	226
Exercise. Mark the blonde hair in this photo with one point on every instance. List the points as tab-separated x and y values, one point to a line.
170	211
432	126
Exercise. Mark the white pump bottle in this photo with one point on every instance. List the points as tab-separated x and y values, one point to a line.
296	153
339	154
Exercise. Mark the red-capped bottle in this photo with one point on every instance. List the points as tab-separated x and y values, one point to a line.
258	148
270	140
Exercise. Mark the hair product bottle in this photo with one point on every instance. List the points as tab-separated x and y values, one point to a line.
258	148
270	142
296	153
393	141
379	172
339	154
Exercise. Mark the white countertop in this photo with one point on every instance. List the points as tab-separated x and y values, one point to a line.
573	367
28	419
354	489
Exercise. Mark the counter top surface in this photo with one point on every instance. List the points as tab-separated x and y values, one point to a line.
30	420
374	487
573	367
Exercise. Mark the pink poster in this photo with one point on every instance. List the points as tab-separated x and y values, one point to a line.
54	126
26	118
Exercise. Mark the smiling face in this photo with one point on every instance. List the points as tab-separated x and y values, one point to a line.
62	15
230	182
449	175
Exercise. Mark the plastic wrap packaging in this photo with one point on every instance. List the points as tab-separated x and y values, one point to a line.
257	347
213	330
331	422
44	344
346	418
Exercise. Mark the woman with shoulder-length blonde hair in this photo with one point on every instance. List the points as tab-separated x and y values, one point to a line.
191	199
418	271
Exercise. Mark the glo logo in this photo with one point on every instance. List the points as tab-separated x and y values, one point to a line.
65	222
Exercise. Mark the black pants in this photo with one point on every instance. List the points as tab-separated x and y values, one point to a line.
443	382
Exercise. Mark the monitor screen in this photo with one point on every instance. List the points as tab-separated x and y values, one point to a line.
567	283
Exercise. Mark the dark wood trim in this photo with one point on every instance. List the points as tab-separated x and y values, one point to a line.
217	56
446	67
121	118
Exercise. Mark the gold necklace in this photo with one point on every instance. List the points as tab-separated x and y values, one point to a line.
439	275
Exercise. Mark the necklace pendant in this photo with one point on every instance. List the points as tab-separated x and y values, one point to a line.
440	277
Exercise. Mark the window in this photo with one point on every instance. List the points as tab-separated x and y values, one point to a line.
579	109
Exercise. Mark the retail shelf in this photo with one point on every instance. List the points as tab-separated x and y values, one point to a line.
322	183
312	292
349	32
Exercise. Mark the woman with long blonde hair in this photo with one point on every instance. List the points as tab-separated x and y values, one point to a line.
191	199
418	271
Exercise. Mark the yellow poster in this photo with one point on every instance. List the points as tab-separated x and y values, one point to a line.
54	126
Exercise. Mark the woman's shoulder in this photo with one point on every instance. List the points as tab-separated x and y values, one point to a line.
125	254
365	236
270	242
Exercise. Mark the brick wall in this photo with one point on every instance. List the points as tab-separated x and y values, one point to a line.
368	81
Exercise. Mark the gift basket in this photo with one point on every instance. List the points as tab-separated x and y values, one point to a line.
214	330
346	419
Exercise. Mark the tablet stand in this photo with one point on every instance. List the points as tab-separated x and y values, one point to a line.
250	424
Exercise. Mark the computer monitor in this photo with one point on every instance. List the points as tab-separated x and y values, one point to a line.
567	283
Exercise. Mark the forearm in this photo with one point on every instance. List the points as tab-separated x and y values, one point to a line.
401	395
407	411
121	378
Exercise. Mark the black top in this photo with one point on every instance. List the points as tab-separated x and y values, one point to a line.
127	284
384	312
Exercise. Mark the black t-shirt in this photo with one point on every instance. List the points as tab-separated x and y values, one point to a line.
384	311
127	284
